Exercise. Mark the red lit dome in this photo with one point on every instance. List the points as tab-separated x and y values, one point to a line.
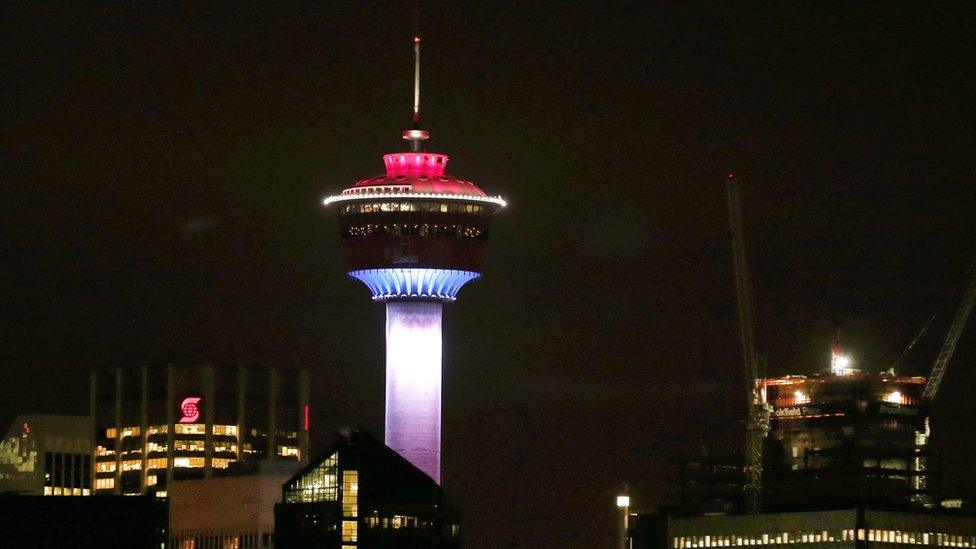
420	173
416	175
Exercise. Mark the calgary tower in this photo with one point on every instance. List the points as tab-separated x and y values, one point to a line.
414	236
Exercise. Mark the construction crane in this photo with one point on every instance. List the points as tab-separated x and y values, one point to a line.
920	461
757	422
951	339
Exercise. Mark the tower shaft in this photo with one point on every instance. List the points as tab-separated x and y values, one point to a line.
413	383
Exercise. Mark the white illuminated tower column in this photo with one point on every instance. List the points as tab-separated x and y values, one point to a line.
414	236
413	382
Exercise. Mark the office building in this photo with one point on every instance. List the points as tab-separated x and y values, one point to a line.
158	423
860	526
47	455
847	439
712	484
361	493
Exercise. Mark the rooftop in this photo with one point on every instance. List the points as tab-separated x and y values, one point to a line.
415	175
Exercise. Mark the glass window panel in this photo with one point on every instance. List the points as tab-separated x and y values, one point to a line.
350	493
318	484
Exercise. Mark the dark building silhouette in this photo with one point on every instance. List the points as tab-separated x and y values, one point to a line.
361	493
104	521
712	484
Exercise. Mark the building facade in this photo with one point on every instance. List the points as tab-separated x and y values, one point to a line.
846	439
236	511
158	423
857	527
712	484
361	493
47	455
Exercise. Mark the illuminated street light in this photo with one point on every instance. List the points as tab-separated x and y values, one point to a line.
623	503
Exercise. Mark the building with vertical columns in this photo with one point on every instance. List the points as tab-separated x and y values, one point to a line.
158	423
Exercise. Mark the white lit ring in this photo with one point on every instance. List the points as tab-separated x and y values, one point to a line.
496	200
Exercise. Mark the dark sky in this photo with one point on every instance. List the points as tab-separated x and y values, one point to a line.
163	168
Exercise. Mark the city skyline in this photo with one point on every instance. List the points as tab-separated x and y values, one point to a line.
167	164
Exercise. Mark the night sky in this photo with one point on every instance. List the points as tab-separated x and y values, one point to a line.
163	168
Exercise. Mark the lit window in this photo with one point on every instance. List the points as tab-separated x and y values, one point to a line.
221	463
156	463
350	494
188	445
288	451
111	433
188	462
105	466
151	480
318	484
85	492
161	494
131	465
156	447
104	483
226	430
131	431
190	429
349	530
225	447
103	451
48	491
157	429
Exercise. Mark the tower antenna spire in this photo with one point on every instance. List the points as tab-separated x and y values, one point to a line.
416	82
416	135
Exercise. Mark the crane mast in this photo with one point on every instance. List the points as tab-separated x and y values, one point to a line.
951	339
757	422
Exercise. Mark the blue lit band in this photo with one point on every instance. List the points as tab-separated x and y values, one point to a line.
414	283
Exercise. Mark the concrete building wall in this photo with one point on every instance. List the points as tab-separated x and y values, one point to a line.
236	509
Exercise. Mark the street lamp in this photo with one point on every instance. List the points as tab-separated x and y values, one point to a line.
623	503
